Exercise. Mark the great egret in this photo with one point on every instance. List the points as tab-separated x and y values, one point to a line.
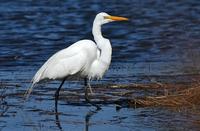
84	59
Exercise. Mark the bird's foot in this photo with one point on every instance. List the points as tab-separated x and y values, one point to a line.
91	103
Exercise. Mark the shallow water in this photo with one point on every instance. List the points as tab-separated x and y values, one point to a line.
159	43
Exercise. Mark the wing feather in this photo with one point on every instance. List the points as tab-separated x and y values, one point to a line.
66	66
68	61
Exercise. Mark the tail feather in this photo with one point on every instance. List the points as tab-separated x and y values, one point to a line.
28	92
37	78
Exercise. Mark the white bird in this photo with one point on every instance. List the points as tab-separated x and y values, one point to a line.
84	59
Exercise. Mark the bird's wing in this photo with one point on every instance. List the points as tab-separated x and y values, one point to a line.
68	61
52	62
56	66
65	66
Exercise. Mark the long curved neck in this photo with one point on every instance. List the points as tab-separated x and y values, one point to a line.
96	31
102	43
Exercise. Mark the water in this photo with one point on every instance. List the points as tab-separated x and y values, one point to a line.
160	42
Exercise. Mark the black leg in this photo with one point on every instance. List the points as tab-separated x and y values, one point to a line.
57	95
87	97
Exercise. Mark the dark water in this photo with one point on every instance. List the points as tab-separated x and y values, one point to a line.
160	43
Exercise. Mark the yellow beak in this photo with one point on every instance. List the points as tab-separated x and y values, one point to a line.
116	18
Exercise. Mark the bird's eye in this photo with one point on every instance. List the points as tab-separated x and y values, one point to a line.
106	17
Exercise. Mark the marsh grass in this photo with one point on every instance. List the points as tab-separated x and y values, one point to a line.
179	95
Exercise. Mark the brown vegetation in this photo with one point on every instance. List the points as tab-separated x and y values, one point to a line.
178	95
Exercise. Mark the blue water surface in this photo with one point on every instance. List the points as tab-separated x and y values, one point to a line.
160	43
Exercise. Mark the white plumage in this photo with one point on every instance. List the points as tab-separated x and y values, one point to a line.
77	58
84	59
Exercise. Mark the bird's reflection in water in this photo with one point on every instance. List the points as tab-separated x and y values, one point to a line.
58	121
87	119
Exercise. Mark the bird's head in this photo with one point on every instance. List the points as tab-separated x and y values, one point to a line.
104	18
